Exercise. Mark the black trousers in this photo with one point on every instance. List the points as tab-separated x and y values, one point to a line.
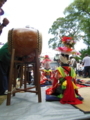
87	71
4	73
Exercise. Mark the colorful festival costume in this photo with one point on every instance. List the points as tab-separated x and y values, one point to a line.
46	77
64	78
46	73
64	86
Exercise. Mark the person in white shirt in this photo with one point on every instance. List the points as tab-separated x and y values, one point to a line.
80	68
73	62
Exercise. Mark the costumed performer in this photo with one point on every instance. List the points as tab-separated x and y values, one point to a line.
46	73
64	79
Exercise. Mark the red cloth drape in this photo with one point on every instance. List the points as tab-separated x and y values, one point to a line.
69	93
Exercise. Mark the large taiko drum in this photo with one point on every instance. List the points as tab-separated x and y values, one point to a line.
24	41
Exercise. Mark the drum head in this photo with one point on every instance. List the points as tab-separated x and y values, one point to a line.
24	41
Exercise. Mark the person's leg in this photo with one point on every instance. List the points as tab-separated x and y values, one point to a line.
89	71
85	71
1	82
78	72
3	78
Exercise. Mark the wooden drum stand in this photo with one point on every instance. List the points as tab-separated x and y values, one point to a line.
12	77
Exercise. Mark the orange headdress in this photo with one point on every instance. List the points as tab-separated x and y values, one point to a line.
46	59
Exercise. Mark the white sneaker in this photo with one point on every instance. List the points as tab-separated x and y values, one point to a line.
6	92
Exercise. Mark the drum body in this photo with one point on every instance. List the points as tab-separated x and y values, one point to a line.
24	41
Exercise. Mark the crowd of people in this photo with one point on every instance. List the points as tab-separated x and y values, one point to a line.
82	67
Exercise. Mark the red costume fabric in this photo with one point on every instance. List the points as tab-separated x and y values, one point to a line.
69	94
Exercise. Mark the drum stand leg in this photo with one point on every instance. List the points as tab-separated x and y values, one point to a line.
37	76
36	72
10	78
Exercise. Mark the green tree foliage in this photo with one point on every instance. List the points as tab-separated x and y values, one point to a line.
84	51
76	24
81	9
